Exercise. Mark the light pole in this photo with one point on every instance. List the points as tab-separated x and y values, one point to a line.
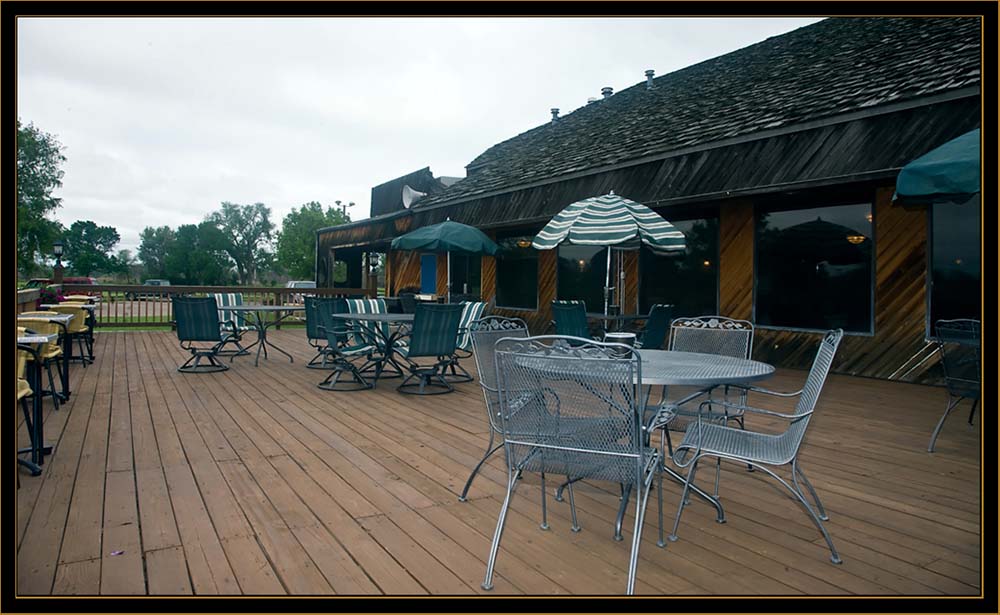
57	271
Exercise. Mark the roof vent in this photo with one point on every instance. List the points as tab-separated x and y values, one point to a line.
607	91
555	113
591	100
649	79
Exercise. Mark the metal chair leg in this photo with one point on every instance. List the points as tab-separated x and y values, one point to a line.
475	471
797	469
572	509
495	546
937	430
684	493
834	556
545	519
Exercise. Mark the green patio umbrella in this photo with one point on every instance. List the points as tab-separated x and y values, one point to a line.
447	237
613	221
947	173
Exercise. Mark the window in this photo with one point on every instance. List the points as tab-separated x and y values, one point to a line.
517	273
466	273
814	268
688	280
581	275
955	261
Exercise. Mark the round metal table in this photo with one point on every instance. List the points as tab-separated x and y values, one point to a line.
255	315
673	367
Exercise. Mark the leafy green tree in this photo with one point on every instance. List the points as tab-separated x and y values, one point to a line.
126	266
39	159
247	235
197	256
88	248
154	244
296	245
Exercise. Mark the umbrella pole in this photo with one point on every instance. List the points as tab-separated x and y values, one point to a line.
607	281
449	277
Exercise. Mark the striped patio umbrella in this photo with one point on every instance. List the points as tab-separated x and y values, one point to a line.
612	221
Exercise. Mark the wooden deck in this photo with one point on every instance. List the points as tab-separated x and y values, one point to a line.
253	481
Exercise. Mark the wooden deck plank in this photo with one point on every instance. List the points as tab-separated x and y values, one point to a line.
122	562
167	572
78	578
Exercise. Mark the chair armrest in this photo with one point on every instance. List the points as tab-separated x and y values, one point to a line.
665	413
726	404
747	387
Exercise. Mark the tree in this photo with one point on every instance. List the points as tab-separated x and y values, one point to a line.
126	265
296	245
197	256
38	173
247	234
155	244
88	247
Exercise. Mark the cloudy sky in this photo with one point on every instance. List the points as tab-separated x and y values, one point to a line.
162	119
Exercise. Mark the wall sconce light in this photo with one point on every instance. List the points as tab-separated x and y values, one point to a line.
855	239
868	217
706	263
582	264
523	243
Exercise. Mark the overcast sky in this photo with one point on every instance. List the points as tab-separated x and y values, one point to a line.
162	119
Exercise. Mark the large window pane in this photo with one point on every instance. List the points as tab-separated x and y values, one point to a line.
814	268
466	273
687	280
581	275
517	273
955	260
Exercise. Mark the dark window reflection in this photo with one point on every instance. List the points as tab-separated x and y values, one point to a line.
814	268
517	273
689	280
581	275
955	260
466	273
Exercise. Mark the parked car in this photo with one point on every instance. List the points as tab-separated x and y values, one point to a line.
299	297
43	282
135	295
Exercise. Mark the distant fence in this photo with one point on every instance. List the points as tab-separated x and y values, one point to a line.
129	305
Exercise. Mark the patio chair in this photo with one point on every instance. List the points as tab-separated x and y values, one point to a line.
574	411
232	323
198	322
654	334
483	334
315	335
958	341
78	330
434	334
48	354
471	312
408	302
340	351
570	319
764	451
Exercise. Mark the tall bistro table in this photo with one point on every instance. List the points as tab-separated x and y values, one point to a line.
63	321
256	314
372	326
30	343
91	323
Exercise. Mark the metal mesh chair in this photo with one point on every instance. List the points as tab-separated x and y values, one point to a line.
315	333
483	335
340	351
232	323
959	343
573	411
760	450
198	321
570	319
434	333
471	311
654	334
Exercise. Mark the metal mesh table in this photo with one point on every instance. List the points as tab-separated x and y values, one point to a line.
255	314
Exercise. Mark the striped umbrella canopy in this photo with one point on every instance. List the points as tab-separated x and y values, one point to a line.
610	220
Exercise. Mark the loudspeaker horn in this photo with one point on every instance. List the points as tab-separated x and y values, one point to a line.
411	196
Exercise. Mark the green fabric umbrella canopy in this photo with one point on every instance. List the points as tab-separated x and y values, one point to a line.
447	237
947	173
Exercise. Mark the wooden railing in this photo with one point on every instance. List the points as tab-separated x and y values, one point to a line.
27	300
129	305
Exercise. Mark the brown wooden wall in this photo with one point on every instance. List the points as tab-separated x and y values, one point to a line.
736	260
404	270
630	303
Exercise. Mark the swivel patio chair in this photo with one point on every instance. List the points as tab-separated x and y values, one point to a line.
408	302
315	336
232	323
433	336
198	323
374	334
959	343
570	319
340	351
654	334
574	411
471	312
764	451
48	354
484	334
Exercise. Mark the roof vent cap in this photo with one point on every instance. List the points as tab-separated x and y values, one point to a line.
607	91
649	78
555	113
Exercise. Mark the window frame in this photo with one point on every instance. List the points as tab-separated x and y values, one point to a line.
929	271
869	200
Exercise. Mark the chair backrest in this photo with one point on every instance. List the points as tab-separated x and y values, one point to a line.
363	336
315	308
790	441
571	410
435	330
197	319
570	318
712	335
959	341
408	302
224	300
471	312
22	356
44	327
80	317
336	331
654	334
484	334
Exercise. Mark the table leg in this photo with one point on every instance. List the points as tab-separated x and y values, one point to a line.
67	357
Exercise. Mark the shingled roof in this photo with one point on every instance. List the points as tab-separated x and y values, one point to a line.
834	67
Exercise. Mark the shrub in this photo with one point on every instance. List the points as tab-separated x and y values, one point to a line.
49	294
